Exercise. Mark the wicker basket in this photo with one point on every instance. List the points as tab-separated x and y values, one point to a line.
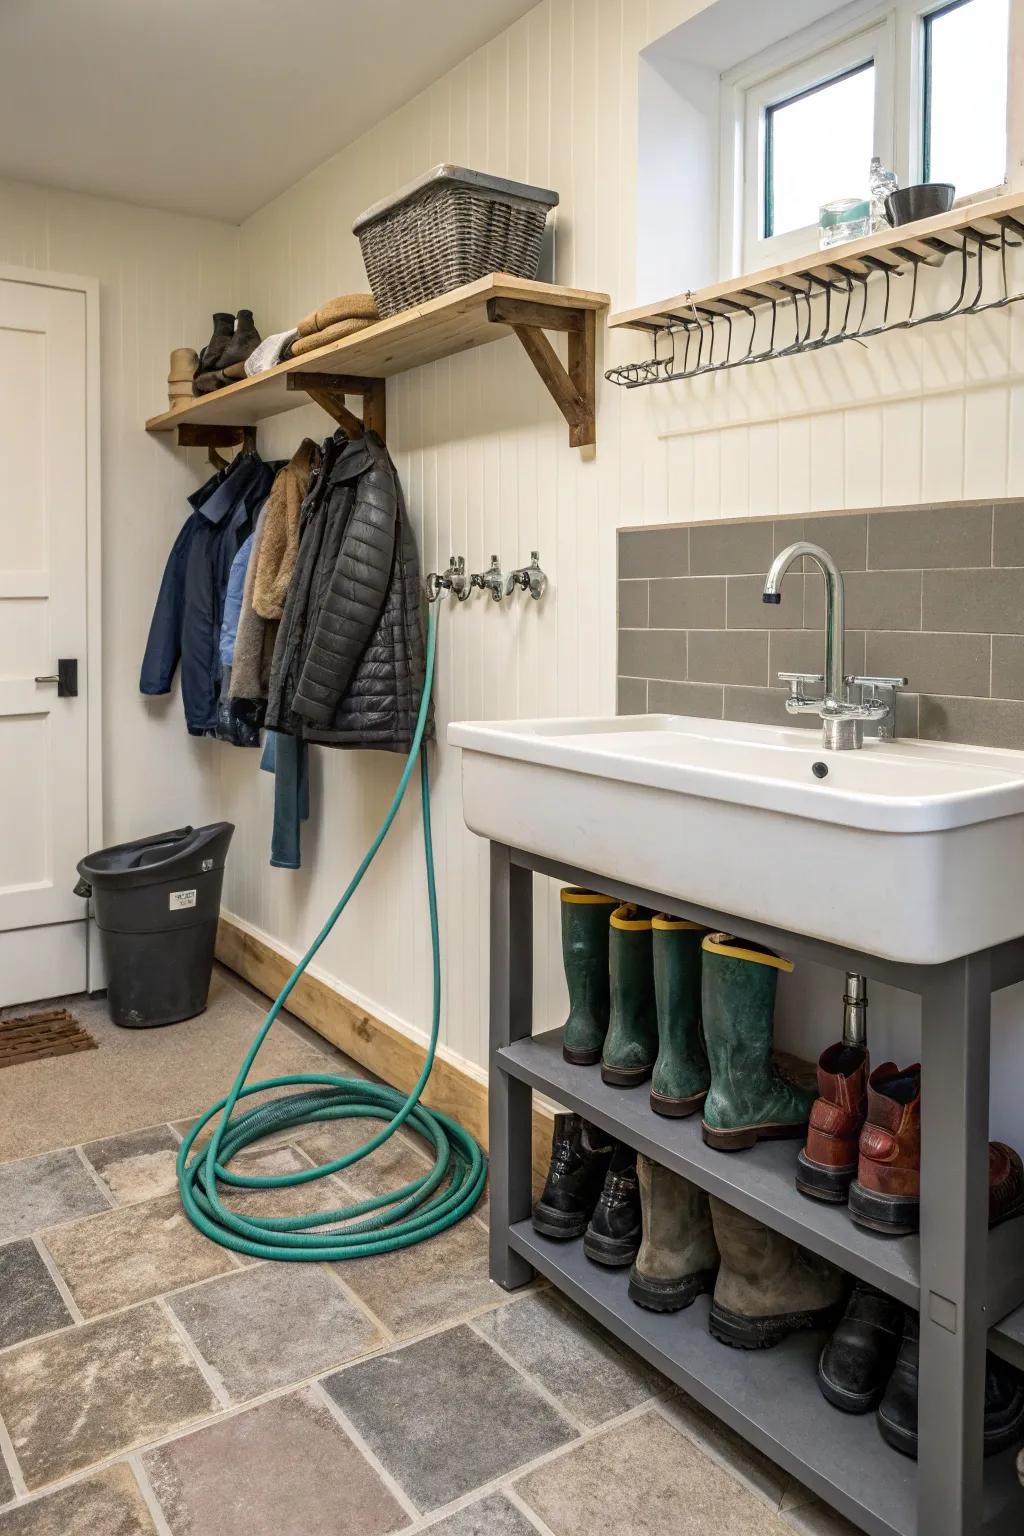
450	227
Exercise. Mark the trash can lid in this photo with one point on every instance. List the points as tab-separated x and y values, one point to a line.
147	860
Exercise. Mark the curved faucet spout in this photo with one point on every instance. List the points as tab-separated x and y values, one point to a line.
835	674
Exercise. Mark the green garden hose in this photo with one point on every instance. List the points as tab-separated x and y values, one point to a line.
387	1222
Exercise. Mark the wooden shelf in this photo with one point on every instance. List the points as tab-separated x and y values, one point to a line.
930	240
480	312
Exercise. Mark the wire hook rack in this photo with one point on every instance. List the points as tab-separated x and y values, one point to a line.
763	320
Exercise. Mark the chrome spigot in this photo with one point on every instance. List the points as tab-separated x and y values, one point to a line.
491	580
530	577
453	580
842	717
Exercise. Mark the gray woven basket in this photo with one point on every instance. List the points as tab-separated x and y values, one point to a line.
447	228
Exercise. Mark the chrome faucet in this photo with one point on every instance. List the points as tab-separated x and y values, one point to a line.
842	717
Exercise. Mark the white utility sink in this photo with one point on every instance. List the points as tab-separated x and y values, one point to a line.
912	850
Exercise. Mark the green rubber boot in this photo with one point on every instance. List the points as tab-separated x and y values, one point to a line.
585	917
681	1074
749	1098
631	1045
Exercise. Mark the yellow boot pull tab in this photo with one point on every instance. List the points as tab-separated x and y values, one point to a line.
625	916
740	949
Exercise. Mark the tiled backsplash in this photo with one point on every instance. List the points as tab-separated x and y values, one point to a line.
933	593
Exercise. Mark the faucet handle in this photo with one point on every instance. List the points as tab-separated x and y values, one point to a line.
879	694
800	703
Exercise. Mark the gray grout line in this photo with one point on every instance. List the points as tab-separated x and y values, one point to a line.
212	1378
518	1502
334	1273
149	1495
531	1380
9	1458
57	1278
103	1188
344	1422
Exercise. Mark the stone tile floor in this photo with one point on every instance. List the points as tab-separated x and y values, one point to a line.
151	1384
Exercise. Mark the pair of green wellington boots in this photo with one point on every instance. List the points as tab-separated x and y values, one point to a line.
658	994
634	991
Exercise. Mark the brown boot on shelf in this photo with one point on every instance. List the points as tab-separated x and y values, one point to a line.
678	1257
886	1194
768	1287
827	1165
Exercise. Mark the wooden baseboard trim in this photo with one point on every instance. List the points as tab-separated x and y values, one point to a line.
370	1042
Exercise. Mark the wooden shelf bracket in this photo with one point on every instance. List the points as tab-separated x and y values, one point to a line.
328	391
573	390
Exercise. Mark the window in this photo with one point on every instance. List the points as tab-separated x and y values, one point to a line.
920	84
818	140
964	119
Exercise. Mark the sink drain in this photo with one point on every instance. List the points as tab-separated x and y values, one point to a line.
820	770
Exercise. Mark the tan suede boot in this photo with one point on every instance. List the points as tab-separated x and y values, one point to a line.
768	1287
678	1256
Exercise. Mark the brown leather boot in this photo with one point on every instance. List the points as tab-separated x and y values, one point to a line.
886	1194
827	1165
767	1287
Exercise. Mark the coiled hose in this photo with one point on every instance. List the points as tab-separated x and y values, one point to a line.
387	1222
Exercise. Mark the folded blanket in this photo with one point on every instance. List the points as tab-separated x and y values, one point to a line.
347	306
268	353
325	337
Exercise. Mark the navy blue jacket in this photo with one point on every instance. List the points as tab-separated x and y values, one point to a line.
189	610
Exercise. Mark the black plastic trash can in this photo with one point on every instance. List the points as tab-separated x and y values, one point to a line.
156	904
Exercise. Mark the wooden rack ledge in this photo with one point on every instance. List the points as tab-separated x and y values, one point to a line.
929	240
480	312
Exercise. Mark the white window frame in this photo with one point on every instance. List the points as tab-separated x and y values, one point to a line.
892	34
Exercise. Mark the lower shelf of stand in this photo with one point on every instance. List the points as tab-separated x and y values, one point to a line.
770	1397
1007	1338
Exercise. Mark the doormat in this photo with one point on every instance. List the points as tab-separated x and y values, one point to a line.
35	1036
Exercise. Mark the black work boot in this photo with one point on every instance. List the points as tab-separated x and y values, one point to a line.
858	1359
615	1230
1004	1399
580	1157
210	356
245	340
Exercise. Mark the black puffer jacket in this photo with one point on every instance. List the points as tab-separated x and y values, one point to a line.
349	661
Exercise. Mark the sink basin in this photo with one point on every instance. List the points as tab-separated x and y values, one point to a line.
912	850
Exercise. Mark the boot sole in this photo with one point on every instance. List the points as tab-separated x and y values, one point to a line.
750	1135
765	1332
580	1058
670	1295
902	1440
822	1183
677	1109
613	1253
558	1224
625	1077
895	1215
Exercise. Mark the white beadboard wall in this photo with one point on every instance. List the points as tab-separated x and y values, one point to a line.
161	275
934	414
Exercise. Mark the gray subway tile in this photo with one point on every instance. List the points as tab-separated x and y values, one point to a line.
633	604
786	530
631	696
652	653
1008	534
763	706
874	600
730	549
930	538
982	722
844	535
654	552
746	610
954	664
688	602
803	650
985	602
908	709
728	656
700	699
1008	667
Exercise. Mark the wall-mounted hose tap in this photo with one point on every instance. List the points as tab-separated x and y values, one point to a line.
530	577
491	580
453	580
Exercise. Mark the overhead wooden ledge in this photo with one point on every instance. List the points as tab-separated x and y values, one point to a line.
480	312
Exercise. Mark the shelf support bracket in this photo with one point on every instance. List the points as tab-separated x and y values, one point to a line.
328	391
573	390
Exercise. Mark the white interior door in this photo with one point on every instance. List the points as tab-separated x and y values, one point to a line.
43	737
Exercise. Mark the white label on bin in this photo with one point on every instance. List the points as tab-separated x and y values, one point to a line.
179	900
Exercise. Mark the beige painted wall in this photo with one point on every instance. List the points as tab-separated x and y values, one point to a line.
161	275
932	416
